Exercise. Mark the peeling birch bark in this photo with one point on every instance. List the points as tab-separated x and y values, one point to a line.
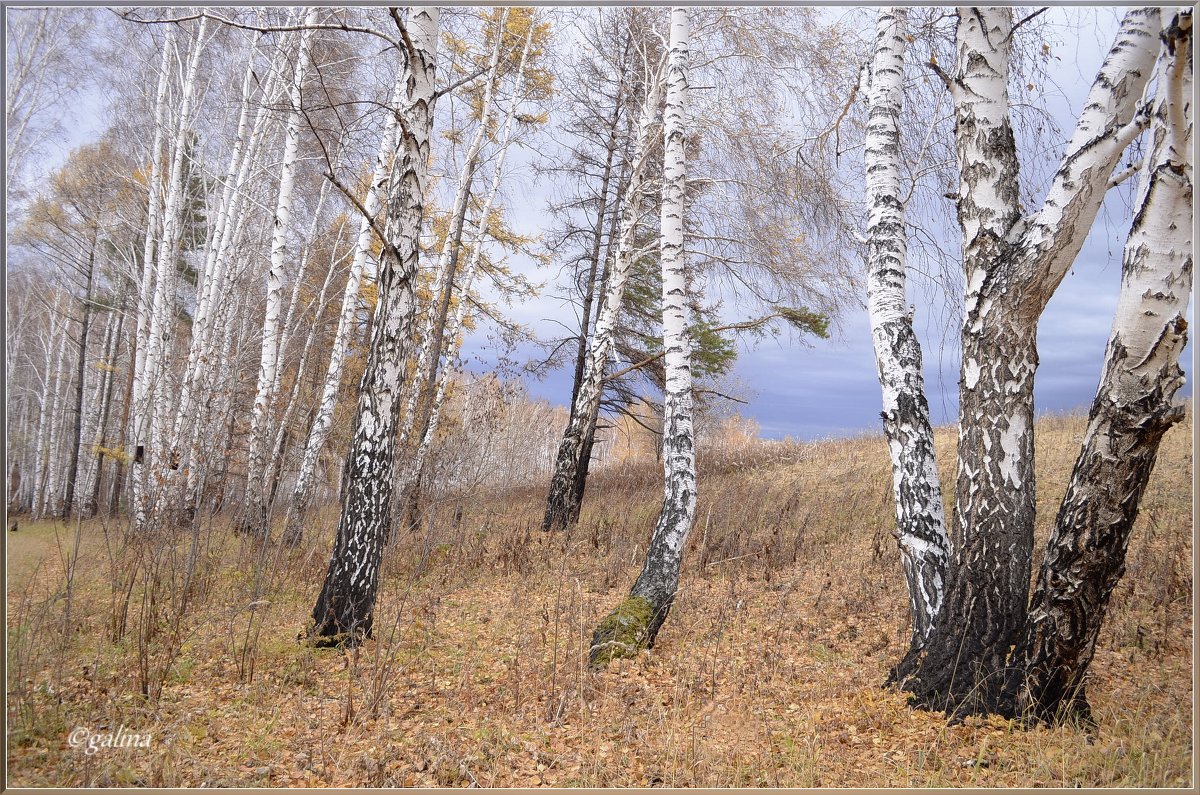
319	432
1134	406
1012	266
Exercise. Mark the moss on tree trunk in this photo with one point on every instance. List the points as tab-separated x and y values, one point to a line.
623	633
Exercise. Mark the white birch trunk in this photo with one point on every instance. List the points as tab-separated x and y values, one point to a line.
293	401
468	276
54	357
290	318
37	478
1134	406
448	256
1012	265
146	286
145	307
654	591
345	608
153	411
319	432
255	518
52	493
109	371
213	282
212	364
920	516
96	411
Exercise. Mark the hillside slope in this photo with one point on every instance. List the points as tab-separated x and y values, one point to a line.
791	610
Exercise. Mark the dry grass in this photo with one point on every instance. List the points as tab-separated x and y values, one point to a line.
767	672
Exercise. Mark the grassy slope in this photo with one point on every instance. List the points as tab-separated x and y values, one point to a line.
791	610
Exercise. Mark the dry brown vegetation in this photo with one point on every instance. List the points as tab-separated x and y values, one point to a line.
767	672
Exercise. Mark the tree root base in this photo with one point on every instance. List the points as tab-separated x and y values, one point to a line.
623	633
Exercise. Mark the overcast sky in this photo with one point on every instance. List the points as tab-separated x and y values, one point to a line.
830	388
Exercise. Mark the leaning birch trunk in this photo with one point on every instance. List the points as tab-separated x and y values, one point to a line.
635	623
345	608
1134	407
317	434
917	491
559	511
254	518
435	319
1012	266
596	281
416	467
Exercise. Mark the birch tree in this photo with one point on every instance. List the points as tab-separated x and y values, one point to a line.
145	309
215	278
920	517
636	622
561	505
429	427
447	262
319	430
48	416
152	412
226	264
345	607
255	516
1012	263
601	88
43	70
1134	406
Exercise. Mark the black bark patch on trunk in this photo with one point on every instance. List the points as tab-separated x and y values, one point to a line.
1085	557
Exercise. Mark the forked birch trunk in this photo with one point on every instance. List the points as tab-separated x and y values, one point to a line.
1134	406
1012	265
